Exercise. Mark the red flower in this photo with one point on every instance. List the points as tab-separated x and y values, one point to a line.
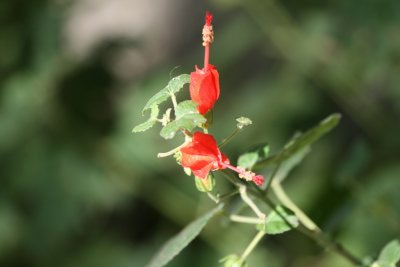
202	155
204	83
204	88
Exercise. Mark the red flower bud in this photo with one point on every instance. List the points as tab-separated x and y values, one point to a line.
204	88
202	155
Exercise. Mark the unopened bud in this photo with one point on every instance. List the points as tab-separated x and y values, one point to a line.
233	261
205	185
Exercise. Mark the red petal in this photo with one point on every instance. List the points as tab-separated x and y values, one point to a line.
204	88
195	162
202	173
202	155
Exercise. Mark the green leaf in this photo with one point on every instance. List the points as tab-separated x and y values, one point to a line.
301	141
275	224
176	244
185	107
188	121
389	255
174	85
149	123
249	160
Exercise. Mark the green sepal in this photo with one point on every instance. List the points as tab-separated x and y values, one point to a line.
275	224
187	171
232	260
149	123
205	185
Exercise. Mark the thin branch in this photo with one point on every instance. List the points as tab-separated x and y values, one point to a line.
245	219
250	203
227	139
285	200
317	236
252	245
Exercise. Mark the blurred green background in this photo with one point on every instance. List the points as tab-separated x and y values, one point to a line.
77	188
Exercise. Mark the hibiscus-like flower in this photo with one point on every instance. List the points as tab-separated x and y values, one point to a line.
202	155
204	88
204	83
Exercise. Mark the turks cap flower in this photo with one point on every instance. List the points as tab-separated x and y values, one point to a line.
204	83
204	88
202	155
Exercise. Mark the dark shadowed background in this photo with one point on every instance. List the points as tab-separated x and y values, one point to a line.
77	188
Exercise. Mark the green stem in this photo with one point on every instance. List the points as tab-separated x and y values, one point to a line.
317	235
250	203
243	194
216	199
228	195
285	200
251	246
227	139
245	219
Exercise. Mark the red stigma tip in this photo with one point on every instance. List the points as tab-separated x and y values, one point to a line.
258	180
209	18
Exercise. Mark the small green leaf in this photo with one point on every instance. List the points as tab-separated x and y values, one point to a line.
188	121
185	107
149	123
275	224
242	122
174	85
302	140
249	159
389	255
176	244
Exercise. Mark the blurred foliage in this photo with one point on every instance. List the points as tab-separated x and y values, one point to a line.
78	189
